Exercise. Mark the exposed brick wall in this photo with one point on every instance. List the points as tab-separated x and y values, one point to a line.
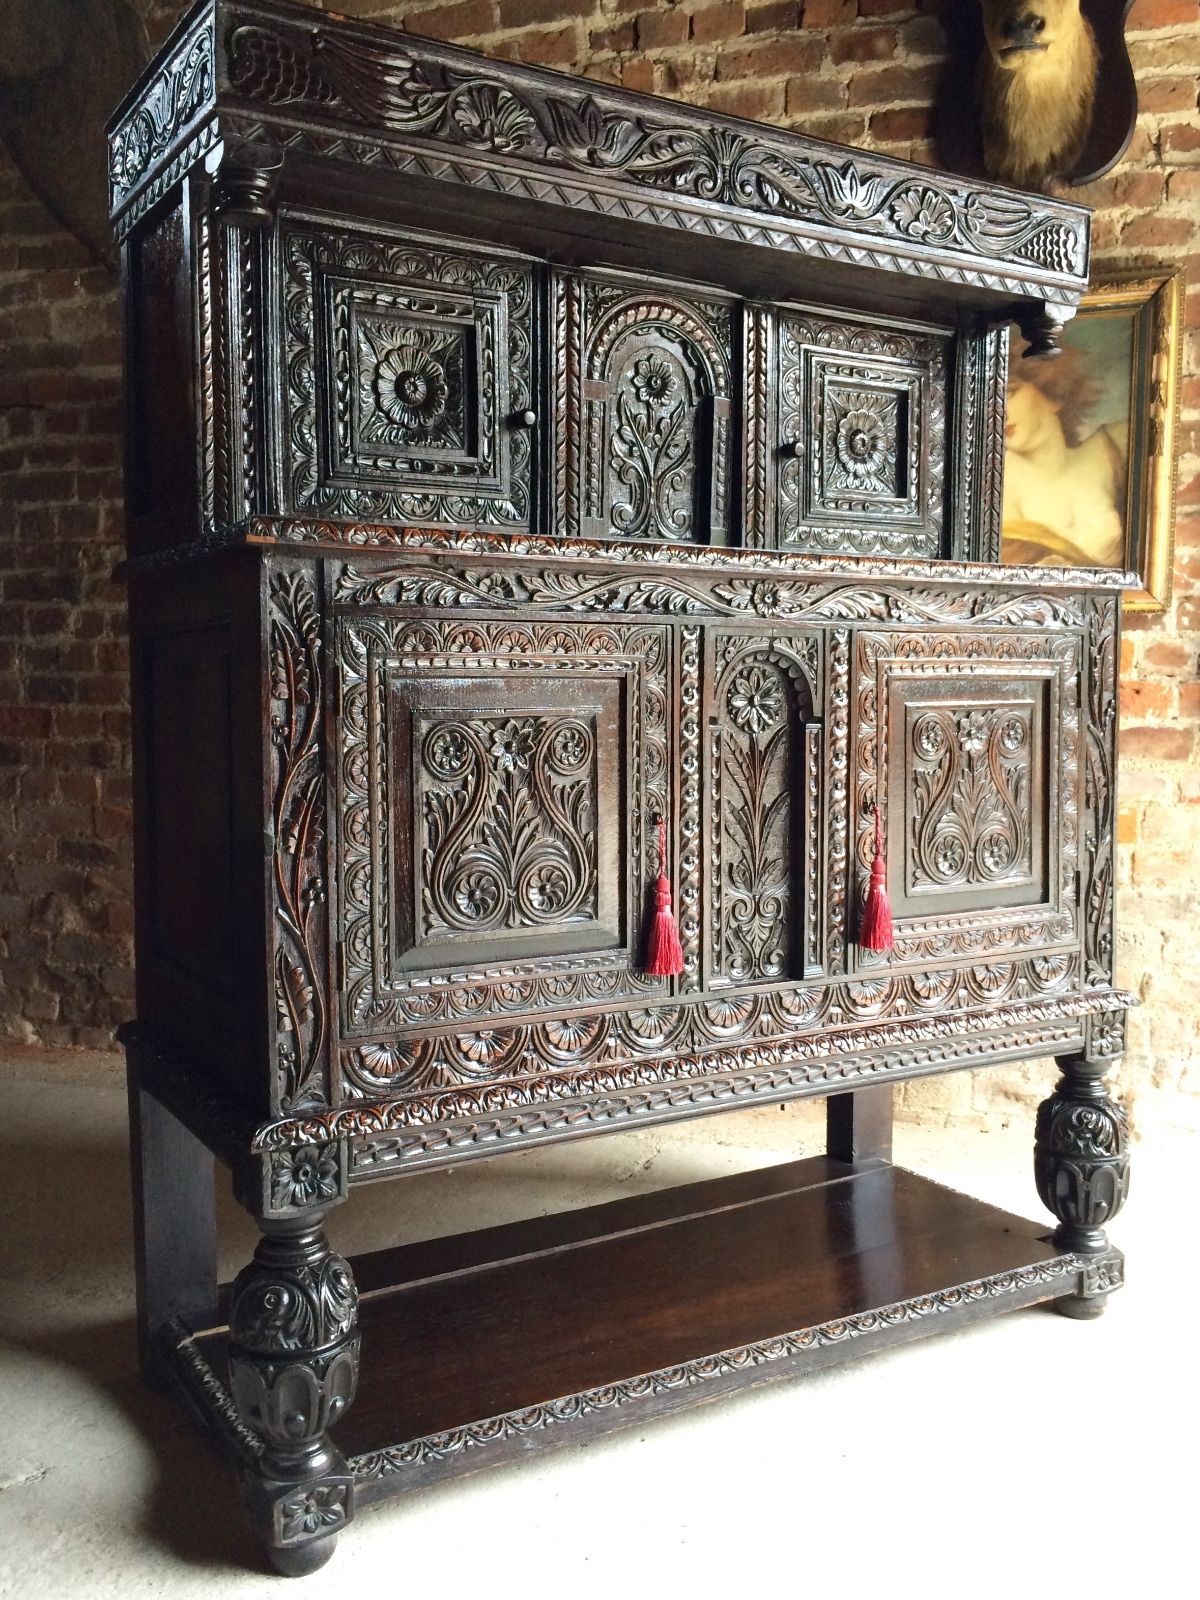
860	71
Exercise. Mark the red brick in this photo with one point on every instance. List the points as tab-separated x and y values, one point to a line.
455	21
898	127
718	22
1162	14
827	13
1144	698
658	28
863	44
814	94
754	100
1156	744
1156	229
770	58
889	86
772	16
619	37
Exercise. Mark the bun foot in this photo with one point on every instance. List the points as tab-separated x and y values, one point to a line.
298	1560
1079	1309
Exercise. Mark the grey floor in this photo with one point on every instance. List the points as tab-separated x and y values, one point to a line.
1027	1452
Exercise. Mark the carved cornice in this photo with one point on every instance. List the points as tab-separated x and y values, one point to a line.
789	1348
162	114
372	95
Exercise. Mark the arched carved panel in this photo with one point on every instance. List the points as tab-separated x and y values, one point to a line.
643	412
763	755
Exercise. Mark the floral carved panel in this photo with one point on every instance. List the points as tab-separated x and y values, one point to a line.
643	412
497	782
971	742
764	850
408	380
857	458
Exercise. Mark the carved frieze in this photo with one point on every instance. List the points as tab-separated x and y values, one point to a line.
408	372
164	111
361	94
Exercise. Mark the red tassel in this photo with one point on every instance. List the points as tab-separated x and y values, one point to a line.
664	953
875	926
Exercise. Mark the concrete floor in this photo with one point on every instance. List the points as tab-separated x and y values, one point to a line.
1026	1450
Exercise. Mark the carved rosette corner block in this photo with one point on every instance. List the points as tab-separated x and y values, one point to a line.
295	1182
293	1367
1081	1159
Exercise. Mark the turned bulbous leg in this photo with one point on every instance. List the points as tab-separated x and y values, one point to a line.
1081	1167
293	1367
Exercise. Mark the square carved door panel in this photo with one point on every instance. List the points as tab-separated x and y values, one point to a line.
973	740
853	458
407	380
643	410
496	789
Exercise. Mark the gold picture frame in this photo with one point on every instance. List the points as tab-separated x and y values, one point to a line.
1090	448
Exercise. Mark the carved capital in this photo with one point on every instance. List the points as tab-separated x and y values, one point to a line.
1081	1161
1042	327
245	180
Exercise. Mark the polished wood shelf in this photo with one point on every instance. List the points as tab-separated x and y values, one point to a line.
477	1346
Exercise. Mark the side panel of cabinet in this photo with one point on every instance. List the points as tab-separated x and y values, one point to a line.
644	378
407	377
849	452
496	785
970	741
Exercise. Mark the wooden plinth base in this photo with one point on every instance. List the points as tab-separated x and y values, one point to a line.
484	1346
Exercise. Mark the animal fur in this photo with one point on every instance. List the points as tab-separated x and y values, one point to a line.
1036	88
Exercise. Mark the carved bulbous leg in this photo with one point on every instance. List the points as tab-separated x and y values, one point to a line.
1081	1166
293	1367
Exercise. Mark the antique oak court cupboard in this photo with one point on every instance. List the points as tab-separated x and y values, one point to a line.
529	484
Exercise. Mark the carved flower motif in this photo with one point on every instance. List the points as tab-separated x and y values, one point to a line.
310	1510
1012	734
411	388
972	733
653	381
570	746
756	702
996	853
446	751
949	856
302	1177
548	888
512	745
493	118
923	214
861	443
477	895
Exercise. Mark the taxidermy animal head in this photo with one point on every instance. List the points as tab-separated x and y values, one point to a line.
1036	86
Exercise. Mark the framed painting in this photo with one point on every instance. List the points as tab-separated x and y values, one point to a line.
1089	461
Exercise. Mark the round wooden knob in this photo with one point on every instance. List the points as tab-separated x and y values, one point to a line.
796	448
524	419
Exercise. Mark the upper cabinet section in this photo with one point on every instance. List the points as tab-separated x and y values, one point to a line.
407	379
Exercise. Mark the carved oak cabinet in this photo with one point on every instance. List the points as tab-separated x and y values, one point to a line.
532	487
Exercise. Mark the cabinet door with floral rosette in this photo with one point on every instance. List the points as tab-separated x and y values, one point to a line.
764	775
497	785
971	743
851	455
643	381
407	378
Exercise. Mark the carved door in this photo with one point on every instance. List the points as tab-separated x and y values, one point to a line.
972	739
643	410
407	379
497	785
853	454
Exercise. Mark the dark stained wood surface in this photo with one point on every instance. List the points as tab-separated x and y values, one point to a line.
521	1315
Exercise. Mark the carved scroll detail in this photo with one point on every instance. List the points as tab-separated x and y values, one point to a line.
298	814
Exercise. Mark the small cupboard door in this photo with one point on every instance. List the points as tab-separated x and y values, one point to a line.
497	785
971	742
407	378
644	419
